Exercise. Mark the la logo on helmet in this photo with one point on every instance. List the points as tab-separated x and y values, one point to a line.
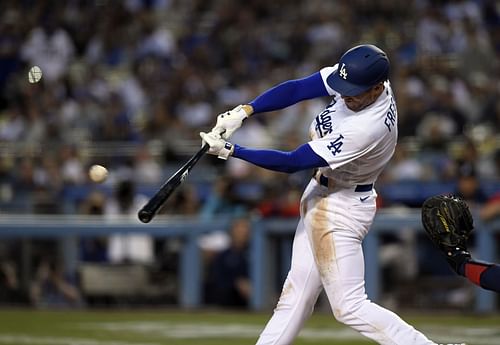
343	72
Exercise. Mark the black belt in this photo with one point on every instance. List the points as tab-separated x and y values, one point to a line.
323	180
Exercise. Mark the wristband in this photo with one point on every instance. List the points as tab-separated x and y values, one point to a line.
226	151
247	109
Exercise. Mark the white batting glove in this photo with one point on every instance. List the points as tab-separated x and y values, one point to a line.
231	120
218	146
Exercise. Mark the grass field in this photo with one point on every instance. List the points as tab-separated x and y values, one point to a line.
130	327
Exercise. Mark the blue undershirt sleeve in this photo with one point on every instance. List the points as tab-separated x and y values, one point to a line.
301	158
490	278
290	92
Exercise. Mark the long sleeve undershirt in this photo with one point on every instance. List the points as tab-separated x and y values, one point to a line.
279	97
486	275
288	162
289	93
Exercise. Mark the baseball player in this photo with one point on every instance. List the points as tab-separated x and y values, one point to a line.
352	140
448	222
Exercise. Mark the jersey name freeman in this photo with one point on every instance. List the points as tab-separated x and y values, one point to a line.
390	117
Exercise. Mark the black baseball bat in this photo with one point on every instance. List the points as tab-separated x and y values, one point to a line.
147	213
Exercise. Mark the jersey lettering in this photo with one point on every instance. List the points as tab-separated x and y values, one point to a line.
390	117
335	146
323	121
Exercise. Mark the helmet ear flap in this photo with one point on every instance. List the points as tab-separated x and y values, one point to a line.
382	64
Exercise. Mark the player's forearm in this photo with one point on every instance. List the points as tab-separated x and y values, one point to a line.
490	278
290	92
484	274
288	162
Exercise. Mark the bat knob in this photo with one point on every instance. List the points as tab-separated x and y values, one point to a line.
145	216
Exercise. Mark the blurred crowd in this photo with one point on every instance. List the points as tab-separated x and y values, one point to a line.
130	84
133	73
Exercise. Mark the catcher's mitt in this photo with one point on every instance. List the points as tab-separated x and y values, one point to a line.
448	222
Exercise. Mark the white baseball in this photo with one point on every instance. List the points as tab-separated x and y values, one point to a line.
35	74
98	173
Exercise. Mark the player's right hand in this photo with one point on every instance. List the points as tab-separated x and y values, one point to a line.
231	120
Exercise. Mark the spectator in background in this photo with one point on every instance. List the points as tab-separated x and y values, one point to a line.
469	154
405	166
184	202
23	184
126	202
6	182
94	249
51	287
13	124
146	169
11	38
280	201
490	163
491	116
198	109
72	170
468	186
48	186
241	170
228	282
116	125
50	47
10	289
435	130
491	209
222	200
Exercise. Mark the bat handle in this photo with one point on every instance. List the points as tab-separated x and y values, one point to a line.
205	148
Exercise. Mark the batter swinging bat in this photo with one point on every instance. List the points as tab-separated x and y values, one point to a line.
154	204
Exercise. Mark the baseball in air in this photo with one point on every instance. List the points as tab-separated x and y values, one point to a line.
98	173
35	74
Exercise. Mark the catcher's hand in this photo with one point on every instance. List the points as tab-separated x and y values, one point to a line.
448	222
231	120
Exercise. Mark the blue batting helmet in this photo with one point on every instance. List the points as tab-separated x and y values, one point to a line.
359	69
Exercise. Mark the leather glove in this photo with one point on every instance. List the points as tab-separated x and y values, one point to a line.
231	120
448	222
218	146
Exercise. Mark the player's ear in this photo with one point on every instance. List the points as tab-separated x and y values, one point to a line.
379	87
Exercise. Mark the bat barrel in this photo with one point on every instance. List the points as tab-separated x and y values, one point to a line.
147	213
145	216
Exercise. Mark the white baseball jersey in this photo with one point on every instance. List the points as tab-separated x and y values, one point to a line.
356	145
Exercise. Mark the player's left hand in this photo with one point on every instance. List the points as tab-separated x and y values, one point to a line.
231	120
218	146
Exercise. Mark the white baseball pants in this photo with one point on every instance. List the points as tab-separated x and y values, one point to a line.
327	254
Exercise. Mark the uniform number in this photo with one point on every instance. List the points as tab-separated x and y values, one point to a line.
335	146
